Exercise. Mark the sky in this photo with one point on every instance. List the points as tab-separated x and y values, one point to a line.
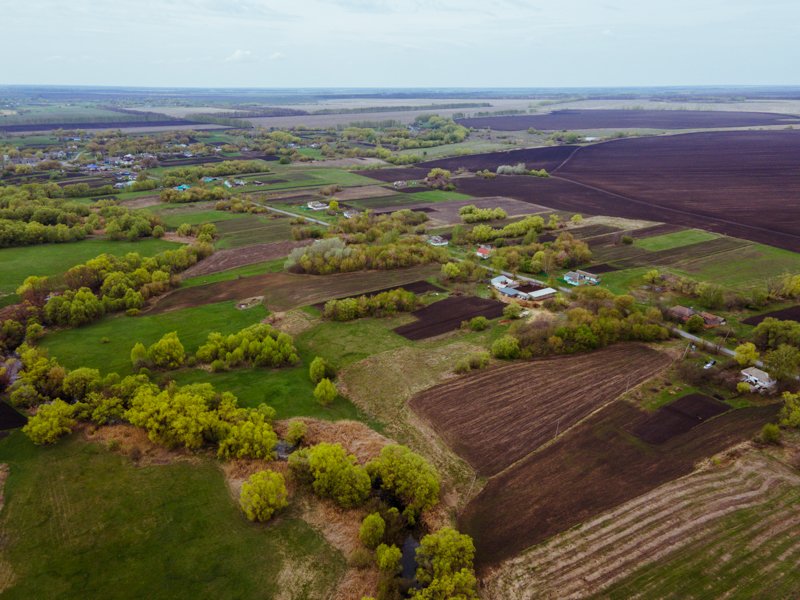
400	43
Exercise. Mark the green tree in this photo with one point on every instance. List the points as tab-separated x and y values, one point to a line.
325	392
442	554
388	559
372	530
332	473
746	354
138	355
333	204
408	477
695	324
783	362
50	422
318	369
80	382
263	494
461	585
790	412
576	219
168	352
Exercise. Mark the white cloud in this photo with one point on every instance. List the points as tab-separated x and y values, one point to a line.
277	56
239	56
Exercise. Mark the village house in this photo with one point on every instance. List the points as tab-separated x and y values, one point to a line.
316	205
759	380
684	313
350	213
437	240
581	278
484	251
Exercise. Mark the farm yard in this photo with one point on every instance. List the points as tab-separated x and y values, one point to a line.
497	416
590	469
722	530
577	119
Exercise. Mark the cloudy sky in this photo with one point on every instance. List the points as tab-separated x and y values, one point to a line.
400	43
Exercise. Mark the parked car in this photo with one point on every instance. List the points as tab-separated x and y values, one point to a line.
709	364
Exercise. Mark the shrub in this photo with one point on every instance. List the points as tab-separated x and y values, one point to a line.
627	240
259	345
332	473
372	529
319	369
512	310
442	554
743	387
506	347
695	324
167	353
325	392
478	323
262	495
770	434
388	559
50	422
296	432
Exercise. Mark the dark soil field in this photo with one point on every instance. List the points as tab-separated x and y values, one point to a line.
679	417
740	183
446	315
398	174
787	314
705	180
10	418
629	119
95	125
284	291
223	260
594	467
494	417
548	157
602	268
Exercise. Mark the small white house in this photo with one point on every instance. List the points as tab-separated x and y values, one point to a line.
501	281
437	240
317	205
759	380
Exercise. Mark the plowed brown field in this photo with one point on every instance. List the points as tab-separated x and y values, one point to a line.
494	417
594	467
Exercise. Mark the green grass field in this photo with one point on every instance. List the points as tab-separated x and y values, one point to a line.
747	266
252	229
439	196
53	259
674	240
82	522
83	347
176	217
289	391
